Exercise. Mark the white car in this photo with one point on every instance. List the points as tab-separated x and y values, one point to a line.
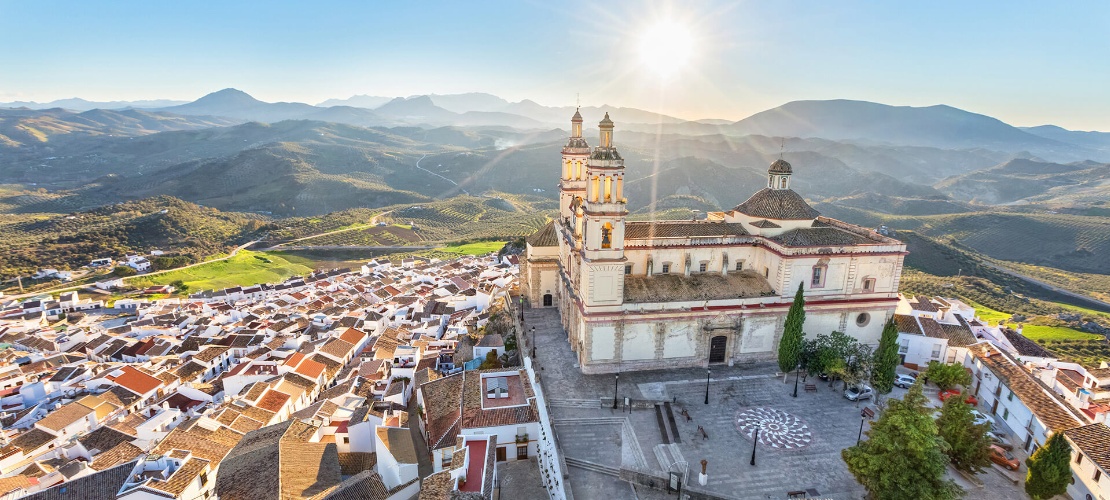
858	393
904	381
979	418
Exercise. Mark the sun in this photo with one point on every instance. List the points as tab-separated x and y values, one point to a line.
666	48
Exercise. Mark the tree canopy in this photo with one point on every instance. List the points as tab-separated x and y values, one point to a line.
886	359
838	355
947	375
790	347
1049	469
903	457
968	444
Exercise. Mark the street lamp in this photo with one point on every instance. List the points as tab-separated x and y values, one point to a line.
707	372
797	375
533	342
862	419
754	442
616	382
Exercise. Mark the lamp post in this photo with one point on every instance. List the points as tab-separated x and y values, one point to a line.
862	419
616	382
797	375
755	441
533	342
707	372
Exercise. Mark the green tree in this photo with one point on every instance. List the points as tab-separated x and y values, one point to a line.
968	445
491	361
886	359
1049	469
903	457
830	354
123	271
790	347
947	375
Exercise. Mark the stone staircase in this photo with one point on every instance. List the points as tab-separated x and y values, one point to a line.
668	456
589	421
593	466
575	403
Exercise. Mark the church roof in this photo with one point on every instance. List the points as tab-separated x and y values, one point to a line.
696	287
780	166
545	237
606	121
647	230
777	204
577	116
820	236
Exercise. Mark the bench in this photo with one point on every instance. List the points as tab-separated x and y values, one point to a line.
867	412
811	387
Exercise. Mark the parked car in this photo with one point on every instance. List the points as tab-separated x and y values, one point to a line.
859	392
953	392
823	376
1004	458
904	381
979	418
1000	441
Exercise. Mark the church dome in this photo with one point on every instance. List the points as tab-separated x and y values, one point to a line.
780	166
777	204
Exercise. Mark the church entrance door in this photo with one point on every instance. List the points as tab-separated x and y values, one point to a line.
717	349
547	300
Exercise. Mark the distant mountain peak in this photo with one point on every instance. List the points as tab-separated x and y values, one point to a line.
228	97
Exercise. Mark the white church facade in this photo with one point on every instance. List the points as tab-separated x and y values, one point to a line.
664	294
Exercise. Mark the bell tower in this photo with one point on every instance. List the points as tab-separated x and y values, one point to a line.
604	213
778	175
572	180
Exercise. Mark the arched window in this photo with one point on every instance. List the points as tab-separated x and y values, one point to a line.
820	270
770	181
607	235
608	188
782	183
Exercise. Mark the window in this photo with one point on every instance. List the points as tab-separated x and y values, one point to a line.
766	272
607	235
666	268
739	265
904	347
936	350
1098	475
346	440
782	183
703	267
869	285
203	478
863	319
1005	413
820	272
628	269
521	452
1078	458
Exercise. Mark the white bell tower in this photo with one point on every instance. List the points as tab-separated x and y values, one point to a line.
604	213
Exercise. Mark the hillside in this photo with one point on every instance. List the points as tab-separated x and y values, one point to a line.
1031	181
164	223
36	129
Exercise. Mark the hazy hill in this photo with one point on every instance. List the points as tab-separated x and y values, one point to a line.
895	205
473	101
1024	180
238	104
937	126
25	127
1096	140
78	104
358	101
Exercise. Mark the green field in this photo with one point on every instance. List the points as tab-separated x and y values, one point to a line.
243	269
1041	332
478	248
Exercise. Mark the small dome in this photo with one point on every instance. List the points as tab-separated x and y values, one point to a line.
606	122
780	166
577	118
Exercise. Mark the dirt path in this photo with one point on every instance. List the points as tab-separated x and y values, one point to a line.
373	222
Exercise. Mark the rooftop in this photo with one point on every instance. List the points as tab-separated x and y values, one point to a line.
696	287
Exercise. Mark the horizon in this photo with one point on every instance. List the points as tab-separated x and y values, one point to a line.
720	60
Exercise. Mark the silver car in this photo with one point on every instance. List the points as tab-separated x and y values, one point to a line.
904	381
858	393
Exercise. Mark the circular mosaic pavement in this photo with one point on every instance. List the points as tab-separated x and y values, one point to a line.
777	429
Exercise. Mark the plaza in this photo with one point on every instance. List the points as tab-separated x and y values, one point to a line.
799	445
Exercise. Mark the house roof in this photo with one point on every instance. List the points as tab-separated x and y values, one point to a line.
278	461
1094	441
697	287
65	416
398	440
104	485
135	380
1055	414
118	454
1025	346
820	236
103	439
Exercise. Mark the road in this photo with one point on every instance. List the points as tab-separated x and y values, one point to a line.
1105	306
373	222
437	175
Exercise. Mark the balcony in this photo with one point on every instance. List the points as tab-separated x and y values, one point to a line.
522	438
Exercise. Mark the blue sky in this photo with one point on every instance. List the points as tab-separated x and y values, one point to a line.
1027	63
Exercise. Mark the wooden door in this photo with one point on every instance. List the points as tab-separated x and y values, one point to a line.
717	349
500	453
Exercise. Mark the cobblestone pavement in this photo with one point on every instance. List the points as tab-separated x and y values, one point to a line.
519	479
593	434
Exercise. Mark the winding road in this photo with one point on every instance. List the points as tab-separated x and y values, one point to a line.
440	176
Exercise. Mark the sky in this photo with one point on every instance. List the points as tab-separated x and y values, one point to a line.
1026	63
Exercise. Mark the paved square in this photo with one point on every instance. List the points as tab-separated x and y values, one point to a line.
799	444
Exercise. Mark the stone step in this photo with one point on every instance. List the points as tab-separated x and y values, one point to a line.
663	456
589	421
575	403
593	466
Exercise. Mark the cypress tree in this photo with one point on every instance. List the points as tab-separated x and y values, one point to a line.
886	359
1049	469
790	347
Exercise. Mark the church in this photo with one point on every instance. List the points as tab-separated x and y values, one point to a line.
667	294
